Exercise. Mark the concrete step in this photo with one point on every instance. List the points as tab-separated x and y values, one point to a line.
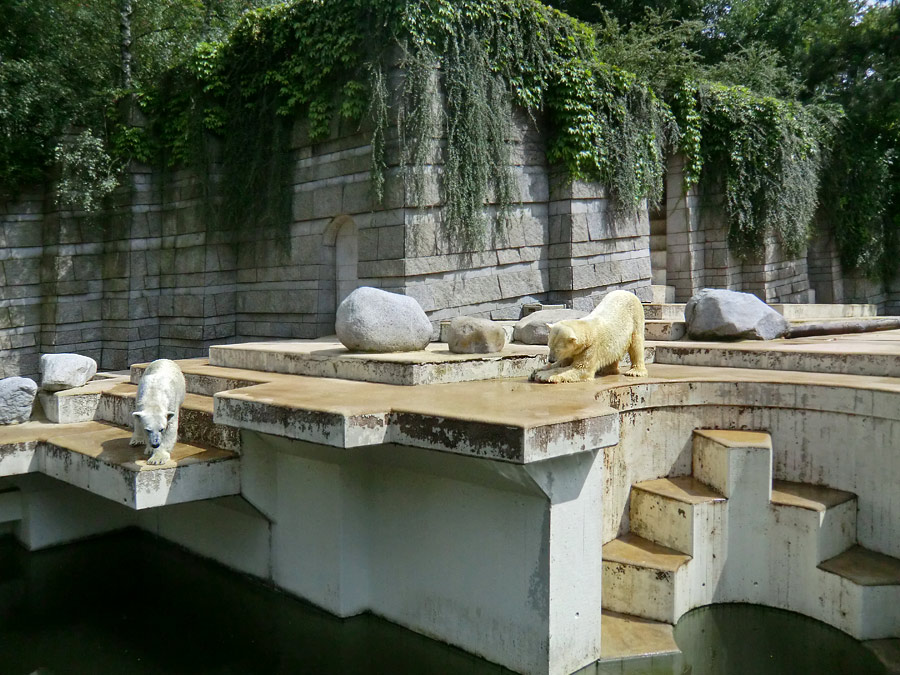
642	578
666	331
661	294
664	311
206	380
809	311
864	587
96	457
657	242
826	514
673	511
874	355
78	404
737	464
625	636
195	423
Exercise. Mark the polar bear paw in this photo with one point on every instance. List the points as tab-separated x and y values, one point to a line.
636	372
159	457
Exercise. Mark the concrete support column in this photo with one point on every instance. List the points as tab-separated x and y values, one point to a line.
592	249
499	559
684	240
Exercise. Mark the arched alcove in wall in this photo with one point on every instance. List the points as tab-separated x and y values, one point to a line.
342	237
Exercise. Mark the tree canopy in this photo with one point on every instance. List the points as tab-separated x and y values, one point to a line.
792	105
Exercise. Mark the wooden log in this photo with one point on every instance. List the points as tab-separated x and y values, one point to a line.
840	327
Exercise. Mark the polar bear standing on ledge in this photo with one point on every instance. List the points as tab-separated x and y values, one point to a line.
581	347
159	398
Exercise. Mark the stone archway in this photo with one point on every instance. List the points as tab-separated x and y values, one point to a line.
342	237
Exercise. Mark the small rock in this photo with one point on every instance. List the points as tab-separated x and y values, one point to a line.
372	320
534	329
719	314
66	371
471	335
16	399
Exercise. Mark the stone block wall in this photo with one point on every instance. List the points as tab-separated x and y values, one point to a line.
560	244
697	254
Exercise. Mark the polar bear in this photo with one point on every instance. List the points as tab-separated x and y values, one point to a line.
581	347
159	398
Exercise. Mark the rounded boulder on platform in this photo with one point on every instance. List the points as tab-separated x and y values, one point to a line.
719	314
471	335
66	371
534	329
16	399
372	320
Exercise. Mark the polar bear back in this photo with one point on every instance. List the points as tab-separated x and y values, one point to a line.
162	387
621	305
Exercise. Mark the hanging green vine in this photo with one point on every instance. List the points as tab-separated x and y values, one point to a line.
766	154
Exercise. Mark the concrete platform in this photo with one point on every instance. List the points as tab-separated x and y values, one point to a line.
323	358
870	354
625	636
97	457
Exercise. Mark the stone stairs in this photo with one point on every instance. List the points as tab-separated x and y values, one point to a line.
729	533
85	443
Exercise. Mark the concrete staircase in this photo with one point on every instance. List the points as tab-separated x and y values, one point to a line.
85	443
729	533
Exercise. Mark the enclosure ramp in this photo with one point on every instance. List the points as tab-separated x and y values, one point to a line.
729	533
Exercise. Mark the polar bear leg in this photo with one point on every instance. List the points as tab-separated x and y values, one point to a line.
636	354
558	375
138	436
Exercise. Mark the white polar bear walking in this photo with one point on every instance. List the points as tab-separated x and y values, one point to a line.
159	398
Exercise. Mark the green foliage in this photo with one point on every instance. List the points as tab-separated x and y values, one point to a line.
87	174
766	154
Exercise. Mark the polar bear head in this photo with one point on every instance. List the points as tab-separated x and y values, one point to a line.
155	422
564	341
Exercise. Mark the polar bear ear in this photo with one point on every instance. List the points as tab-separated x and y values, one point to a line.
170	415
137	414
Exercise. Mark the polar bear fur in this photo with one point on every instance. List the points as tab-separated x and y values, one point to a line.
579	348
159	398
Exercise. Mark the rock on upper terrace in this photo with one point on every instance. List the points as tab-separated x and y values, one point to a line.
471	335
534	329
66	371
372	320
719	314
16	399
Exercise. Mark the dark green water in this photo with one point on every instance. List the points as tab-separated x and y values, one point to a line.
132	604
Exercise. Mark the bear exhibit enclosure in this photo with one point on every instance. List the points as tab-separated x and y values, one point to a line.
546	528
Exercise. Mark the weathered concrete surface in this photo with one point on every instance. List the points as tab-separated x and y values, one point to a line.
66	371
78	404
499	419
373	320
329	359
16	399
98	458
625	636
872	354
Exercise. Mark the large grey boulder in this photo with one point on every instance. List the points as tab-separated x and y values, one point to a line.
471	335
16	399
372	320
66	371
534	329
718	314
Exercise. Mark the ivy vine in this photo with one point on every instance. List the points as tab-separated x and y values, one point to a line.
766	154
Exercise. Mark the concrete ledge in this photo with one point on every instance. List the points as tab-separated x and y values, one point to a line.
97	457
330	359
